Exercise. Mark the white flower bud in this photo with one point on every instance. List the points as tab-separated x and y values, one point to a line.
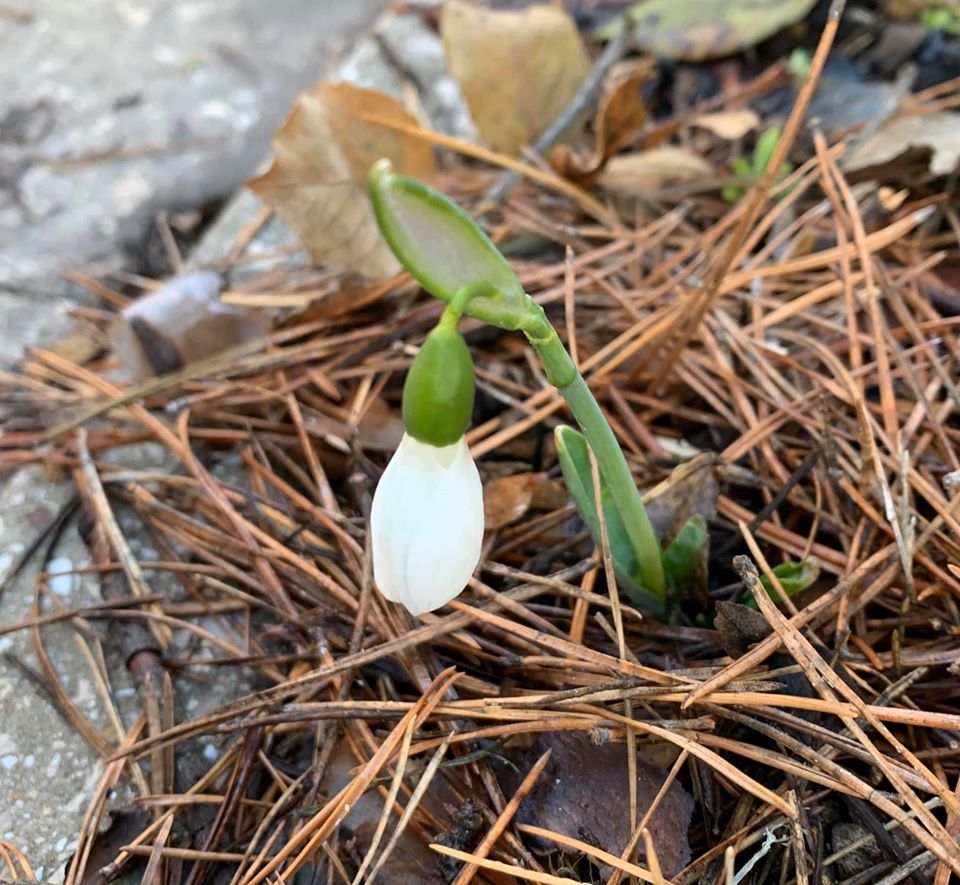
427	524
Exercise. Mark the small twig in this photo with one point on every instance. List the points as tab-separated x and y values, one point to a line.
105	517
586	95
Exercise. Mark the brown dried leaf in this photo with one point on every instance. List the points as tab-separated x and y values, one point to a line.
508	498
517	70
620	115
729	125
180	323
583	793
317	182
647	171
381	428
936	136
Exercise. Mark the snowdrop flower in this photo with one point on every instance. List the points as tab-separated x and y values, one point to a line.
427	515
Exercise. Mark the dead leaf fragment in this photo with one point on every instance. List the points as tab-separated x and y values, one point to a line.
508	498
381	428
584	793
621	113
317	180
692	30
646	171
935	134
729	125
179	323
516	70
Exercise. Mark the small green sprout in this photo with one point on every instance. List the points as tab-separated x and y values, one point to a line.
941	19
752	171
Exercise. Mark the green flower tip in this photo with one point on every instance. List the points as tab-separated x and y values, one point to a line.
439	390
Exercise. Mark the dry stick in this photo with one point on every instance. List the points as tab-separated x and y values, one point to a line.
95	810
807	616
428	774
577	106
510	809
131	566
507	869
614	592
826	680
652	859
832	682
648	814
321	825
387	805
759	193
426	633
152	872
619	864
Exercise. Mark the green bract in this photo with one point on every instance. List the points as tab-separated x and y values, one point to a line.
633	576
443	248
439	390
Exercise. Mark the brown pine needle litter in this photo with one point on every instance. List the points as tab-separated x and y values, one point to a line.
795	339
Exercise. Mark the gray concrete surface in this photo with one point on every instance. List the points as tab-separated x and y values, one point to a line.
113	109
37	748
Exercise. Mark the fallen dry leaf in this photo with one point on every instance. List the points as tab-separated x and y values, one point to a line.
507	498
317	182
180	323
936	136
381	428
517	70
621	113
692	30
646	171
729	125
583	793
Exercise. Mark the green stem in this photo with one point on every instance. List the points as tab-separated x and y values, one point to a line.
562	373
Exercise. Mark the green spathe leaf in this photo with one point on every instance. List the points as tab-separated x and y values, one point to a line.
681	558
794	577
443	248
574	457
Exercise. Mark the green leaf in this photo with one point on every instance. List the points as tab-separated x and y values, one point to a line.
731	193
443	248
766	145
794	577
574	457
682	557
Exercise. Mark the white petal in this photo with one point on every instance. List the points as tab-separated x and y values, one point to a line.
390	526
427	524
446	547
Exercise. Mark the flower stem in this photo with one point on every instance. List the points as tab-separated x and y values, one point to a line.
563	374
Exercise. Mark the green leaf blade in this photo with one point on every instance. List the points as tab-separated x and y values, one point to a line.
574	457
